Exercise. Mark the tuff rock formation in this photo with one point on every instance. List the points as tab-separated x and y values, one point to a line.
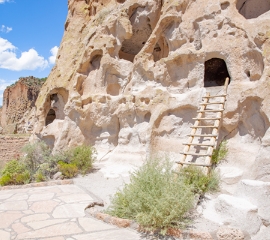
129	77
19	105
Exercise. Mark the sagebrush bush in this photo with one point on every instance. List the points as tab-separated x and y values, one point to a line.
155	197
35	154
201	183
82	157
14	172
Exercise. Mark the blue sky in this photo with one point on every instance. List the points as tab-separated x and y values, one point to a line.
30	34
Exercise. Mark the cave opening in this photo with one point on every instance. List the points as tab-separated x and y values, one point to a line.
161	49
252	8
50	117
215	72
141	31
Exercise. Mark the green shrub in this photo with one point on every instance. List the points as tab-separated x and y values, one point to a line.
68	170
14	172
39	176
35	155
82	157
220	153
155	197
200	182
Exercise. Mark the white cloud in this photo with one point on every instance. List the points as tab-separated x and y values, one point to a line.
5	29
29	60
54	52
3	1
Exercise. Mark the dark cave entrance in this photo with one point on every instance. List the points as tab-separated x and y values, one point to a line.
215	72
50	117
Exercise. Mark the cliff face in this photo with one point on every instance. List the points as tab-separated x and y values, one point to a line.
19	105
130	75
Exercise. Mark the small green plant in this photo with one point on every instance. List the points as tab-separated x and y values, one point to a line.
201	183
14	172
155	197
68	170
82	157
39	176
220	153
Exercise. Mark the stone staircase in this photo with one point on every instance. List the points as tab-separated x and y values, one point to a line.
202	140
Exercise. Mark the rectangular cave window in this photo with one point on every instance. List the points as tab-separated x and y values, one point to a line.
215	72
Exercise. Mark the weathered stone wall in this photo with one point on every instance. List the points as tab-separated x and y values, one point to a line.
10	147
19	105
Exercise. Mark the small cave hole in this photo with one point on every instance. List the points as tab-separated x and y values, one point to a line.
121	1
215	72
113	89
95	62
147	117
252	8
50	117
225	5
248	73
161	49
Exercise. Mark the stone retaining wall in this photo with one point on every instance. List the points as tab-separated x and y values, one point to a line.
10	146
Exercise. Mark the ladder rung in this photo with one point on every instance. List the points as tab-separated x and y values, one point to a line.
213	96
204	127
215	118
196	154
212	110
195	164
211	103
203	135
200	144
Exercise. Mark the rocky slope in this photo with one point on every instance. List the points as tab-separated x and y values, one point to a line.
19	105
130	75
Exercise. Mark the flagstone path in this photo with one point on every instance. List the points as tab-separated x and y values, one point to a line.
54	213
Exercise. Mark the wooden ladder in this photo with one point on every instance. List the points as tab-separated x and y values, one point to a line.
207	141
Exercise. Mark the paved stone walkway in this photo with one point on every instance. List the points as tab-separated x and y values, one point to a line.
53	213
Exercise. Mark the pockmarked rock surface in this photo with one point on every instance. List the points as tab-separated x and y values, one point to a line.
129	77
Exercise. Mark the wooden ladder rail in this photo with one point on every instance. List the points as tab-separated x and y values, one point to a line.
208	160
193	132
215	131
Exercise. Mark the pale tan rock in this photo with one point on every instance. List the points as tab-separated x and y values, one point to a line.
69	210
129	76
90	224
35	217
4	235
14	206
226	233
43	206
45	223
52	231
9	217
20	228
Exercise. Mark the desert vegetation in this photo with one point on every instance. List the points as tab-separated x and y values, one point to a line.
39	164
158	198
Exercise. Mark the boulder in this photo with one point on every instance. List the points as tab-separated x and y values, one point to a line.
238	212
258	193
